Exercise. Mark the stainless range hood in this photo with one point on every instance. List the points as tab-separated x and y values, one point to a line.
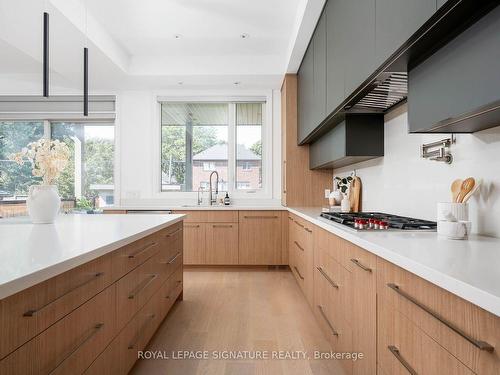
387	91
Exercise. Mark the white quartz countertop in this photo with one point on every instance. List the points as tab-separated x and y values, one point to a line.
32	253
232	207
469	269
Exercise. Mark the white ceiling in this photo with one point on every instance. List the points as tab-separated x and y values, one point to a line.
133	46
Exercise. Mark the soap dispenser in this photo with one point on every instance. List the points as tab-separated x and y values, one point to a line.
227	201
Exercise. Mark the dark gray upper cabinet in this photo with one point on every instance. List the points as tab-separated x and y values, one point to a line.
457	89
306	95
336	40
359	137
319	74
396	21
359	30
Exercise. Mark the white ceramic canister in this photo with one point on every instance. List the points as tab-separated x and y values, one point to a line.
451	211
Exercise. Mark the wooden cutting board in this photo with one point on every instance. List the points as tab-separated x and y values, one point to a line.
355	194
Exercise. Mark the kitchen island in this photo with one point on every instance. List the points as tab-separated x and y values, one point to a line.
86	293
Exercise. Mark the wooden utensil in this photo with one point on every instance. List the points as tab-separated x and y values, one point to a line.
355	194
455	189
466	188
471	193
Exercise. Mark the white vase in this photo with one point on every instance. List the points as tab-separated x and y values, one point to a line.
43	203
345	205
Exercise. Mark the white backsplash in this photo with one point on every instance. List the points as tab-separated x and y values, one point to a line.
403	183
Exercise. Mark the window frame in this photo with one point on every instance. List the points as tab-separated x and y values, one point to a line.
267	143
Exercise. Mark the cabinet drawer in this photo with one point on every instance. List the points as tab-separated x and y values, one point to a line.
403	347
170	290
29	312
171	239
137	287
335	246
302	234
222	216
130	256
333	282
210	216
459	326
70	345
121	354
338	333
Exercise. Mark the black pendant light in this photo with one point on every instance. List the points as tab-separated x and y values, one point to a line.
45	54
85	81
86	70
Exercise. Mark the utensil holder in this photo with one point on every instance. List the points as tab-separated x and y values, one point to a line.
451	211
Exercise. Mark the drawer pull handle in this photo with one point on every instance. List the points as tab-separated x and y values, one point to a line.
142	286
297	244
300	225
289	218
334	332
192	225
298	272
141	250
221	226
325	275
173	233
395	352
481	345
172	260
96	275
149	319
260	217
361	265
93	331
308	230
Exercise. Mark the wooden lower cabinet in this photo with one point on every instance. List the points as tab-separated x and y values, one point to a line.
363	313
403	348
194	243
122	353
222	243
401	323
96	317
301	254
260	237
70	345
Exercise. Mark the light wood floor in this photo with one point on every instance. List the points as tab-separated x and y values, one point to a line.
246	310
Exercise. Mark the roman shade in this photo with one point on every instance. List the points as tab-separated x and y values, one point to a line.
57	108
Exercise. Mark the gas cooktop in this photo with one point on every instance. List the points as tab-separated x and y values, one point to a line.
379	221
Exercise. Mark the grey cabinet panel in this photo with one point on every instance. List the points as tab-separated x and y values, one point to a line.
359	19
360	137
458	79
305	95
336	40
396	21
319	81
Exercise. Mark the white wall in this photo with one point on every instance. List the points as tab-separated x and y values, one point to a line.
138	140
403	183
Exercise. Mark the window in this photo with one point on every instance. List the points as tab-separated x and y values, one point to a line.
249	145
89	175
90	172
199	138
15	179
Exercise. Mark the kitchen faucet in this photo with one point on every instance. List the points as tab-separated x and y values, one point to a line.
212	199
